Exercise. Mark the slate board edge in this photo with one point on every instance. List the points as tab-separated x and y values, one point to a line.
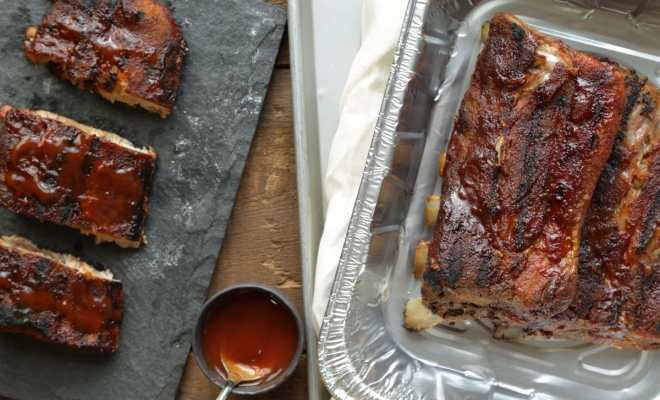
171	387
212	240
169	391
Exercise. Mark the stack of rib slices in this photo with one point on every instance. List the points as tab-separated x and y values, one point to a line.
547	224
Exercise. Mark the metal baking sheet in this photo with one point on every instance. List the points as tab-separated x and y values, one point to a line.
364	352
233	45
324	36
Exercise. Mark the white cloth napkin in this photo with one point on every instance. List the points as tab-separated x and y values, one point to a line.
359	107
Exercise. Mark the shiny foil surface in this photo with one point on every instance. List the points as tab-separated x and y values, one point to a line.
364	351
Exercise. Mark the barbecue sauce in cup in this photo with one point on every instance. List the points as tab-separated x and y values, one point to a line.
253	330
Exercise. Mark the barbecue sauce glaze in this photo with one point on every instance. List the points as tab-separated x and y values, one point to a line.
251	329
56	172
71	308
130	50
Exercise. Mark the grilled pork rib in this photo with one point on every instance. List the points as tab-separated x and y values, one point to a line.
57	170
531	137
129	51
58	298
616	301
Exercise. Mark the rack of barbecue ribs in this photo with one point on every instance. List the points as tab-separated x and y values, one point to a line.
531	138
58	298
129	51
617	297
58	170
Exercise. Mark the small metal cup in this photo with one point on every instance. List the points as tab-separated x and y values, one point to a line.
199	329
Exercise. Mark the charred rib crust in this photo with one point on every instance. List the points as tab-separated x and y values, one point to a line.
482	279
83	180
616	302
43	299
554	127
649	224
454	265
90	157
142	63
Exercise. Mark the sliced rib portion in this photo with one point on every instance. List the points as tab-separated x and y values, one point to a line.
531	137
129	51
58	170
58	298
617	300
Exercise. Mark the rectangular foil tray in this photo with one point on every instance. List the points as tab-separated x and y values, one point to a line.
364	351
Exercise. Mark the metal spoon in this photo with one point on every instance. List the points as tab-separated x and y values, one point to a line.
236	374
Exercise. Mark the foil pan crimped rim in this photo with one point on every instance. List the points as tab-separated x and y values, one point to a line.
359	357
336	366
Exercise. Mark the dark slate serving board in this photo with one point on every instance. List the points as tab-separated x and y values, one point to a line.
233	45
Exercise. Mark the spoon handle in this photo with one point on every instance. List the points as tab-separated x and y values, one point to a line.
225	392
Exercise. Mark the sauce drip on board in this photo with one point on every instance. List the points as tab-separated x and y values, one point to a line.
254	332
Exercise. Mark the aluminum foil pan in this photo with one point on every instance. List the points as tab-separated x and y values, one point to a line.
364	352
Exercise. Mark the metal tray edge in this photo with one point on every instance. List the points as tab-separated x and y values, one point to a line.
310	192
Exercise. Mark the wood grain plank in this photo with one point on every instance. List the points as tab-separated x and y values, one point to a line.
262	242
281	3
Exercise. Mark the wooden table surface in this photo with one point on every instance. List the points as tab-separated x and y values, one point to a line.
262	243
265	217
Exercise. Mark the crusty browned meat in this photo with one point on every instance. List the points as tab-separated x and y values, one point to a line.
58	298
531	137
57	170
617	300
130	50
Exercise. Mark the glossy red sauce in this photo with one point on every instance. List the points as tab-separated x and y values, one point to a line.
55	162
251	329
83	301
50	168
37	167
132	46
